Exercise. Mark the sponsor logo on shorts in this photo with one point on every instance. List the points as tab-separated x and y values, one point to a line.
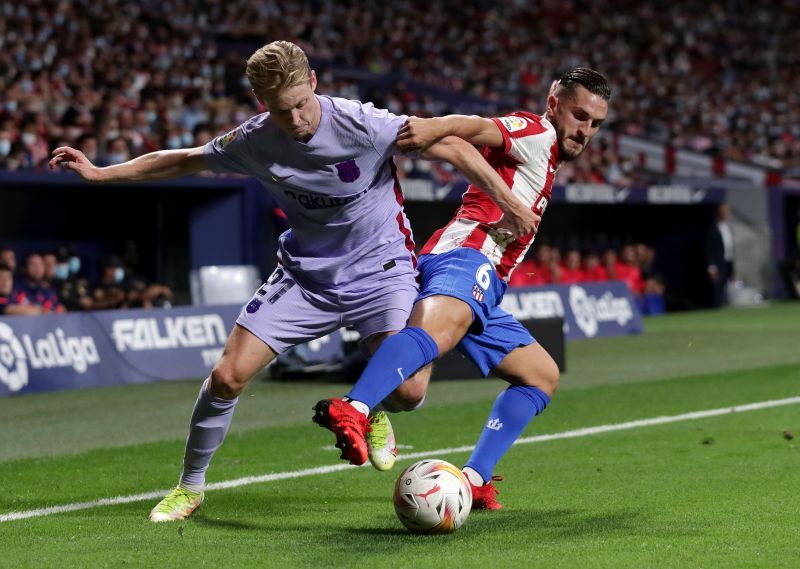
254	305
348	171
287	284
276	275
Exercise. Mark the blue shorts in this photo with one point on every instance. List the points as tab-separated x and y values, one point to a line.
467	274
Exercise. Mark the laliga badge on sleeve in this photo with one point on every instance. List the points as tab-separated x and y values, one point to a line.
513	123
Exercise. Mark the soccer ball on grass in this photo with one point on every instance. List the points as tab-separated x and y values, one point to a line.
432	496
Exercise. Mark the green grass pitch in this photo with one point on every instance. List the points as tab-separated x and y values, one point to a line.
720	491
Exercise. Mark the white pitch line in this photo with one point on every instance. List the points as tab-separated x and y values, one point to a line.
585	432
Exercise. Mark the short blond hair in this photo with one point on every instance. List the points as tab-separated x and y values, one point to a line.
277	66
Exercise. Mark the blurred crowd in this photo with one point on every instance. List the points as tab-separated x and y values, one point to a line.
118	79
634	264
53	282
599	164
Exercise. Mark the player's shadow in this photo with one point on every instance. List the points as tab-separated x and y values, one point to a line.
566	524
201	520
271	510
386	532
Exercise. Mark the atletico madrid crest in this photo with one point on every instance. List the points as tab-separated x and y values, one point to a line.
478	293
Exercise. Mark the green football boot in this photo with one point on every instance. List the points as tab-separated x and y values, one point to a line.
381	442
176	505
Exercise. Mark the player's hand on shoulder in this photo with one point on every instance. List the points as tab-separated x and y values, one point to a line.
75	160
519	223
417	134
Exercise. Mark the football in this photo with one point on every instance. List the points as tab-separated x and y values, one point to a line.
432	496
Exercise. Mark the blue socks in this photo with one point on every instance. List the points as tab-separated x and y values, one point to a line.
397	359
513	409
401	355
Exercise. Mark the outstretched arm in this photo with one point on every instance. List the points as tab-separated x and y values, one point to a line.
517	219
153	166
419	134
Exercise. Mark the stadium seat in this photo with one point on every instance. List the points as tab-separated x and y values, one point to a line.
233	284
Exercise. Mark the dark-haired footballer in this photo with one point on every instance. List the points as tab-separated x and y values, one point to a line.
464	270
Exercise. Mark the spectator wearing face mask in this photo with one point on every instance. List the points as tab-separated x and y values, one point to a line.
118	151
17	159
6	141
72	289
32	138
74	263
112	289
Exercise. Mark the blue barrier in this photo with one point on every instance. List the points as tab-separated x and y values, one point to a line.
590	310
51	353
68	351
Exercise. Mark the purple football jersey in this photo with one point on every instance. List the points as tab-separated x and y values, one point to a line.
339	191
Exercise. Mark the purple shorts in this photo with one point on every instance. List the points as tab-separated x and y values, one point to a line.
284	314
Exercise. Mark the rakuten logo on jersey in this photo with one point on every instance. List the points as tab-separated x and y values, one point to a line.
590	311
317	201
54	350
140	334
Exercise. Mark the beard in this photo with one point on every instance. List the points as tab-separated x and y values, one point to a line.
566	154
569	154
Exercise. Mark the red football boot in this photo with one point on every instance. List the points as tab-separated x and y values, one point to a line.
348	424
485	497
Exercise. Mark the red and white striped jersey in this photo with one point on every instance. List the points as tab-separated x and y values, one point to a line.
527	162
